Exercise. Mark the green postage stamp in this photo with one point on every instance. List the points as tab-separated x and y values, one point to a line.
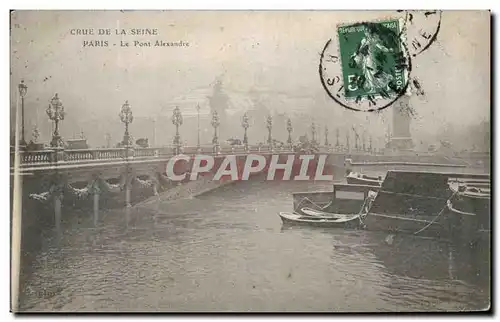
372	59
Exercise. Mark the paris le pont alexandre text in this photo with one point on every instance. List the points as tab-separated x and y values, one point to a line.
143	40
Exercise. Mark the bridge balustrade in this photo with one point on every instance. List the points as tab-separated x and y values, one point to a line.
108	154
79	155
146	152
36	157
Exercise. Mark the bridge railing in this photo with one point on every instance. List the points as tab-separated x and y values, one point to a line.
34	157
108	154
79	155
146	152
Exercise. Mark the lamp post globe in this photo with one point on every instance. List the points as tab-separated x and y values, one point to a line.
198	145
23	90
289	128
245	124
269	125
215	124
313	132
56	113
326	136
177	121
127	117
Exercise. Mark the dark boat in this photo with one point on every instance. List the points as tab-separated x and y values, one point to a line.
362	179
419	203
351	221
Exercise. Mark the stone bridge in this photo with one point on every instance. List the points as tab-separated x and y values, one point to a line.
62	176
57	176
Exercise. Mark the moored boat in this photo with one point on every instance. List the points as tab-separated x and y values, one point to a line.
309	212
351	221
342	207
424	203
362	179
418	203
362	211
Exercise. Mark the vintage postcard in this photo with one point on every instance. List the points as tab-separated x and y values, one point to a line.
250	161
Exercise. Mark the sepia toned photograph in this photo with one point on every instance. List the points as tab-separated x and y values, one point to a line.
250	161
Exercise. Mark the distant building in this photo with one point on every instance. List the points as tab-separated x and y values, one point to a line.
401	117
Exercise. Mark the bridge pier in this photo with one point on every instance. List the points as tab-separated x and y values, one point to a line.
95	190
57	212
128	204
96	208
127	195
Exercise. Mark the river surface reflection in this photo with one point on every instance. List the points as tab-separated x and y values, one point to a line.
228	251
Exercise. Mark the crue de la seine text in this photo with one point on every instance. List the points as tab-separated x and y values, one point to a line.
123	42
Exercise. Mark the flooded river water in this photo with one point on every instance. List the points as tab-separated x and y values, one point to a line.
227	251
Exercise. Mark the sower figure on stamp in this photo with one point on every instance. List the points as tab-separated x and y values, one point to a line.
370	58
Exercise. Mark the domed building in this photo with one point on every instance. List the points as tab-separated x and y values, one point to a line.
230	105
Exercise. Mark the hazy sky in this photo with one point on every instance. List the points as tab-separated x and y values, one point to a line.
274	51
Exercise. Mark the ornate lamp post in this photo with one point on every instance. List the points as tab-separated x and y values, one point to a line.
198	146
154	131
356	138
177	121
348	147
215	124
289	128
326	136
337	144
245	125
269	125
313	132
364	139
56	113
127	118
23	89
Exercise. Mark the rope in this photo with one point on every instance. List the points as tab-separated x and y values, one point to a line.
435	218
450	206
360	213
410	195
312	202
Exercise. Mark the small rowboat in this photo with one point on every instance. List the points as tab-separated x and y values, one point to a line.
362	179
322	214
296	219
